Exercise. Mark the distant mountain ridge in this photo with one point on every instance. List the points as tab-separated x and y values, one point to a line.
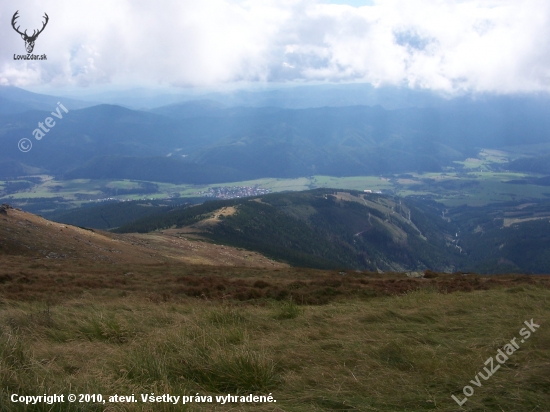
298	97
14	100
256	142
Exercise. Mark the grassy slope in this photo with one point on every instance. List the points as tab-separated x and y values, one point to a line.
400	353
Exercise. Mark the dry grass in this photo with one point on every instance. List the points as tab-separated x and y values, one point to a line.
42	279
400	353
25	234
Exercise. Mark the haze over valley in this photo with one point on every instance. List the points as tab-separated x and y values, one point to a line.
488	152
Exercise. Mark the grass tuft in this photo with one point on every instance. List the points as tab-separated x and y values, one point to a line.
107	328
288	310
234	371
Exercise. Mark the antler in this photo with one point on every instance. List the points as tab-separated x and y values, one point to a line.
15	17
43	25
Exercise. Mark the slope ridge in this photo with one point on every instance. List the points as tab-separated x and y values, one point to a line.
30	236
322	228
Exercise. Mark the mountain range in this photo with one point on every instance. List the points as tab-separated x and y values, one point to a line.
16	100
205	141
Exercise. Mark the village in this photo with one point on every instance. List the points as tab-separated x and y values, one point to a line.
232	192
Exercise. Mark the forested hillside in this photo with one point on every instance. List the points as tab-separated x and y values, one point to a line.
322	229
328	228
197	142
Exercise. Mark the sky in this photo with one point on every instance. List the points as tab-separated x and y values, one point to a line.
500	46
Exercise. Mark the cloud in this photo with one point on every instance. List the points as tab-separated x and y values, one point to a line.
499	46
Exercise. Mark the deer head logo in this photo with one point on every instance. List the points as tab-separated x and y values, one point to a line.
29	40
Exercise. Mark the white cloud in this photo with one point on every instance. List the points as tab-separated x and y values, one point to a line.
483	45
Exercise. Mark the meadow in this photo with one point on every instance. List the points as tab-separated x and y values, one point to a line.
475	181
407	349
473	188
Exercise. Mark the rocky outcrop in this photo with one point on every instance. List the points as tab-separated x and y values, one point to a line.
415	274
4	209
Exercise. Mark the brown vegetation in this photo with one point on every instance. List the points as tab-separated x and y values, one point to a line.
42	259
24	279
25	234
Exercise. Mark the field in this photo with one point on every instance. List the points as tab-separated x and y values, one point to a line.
452	189
408	350
475	182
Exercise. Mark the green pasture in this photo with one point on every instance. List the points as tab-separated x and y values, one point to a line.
474	181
